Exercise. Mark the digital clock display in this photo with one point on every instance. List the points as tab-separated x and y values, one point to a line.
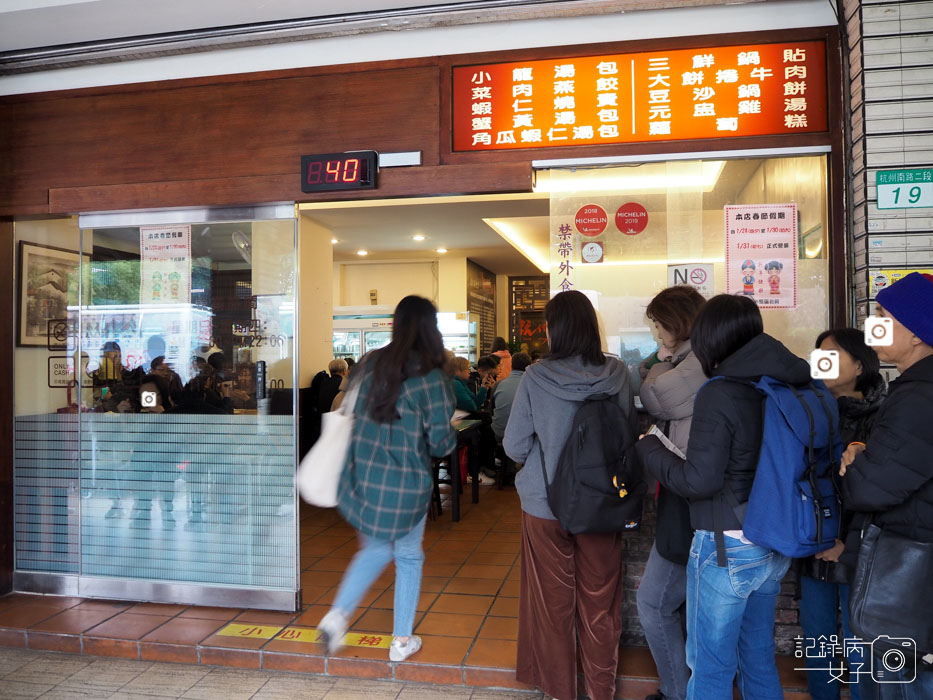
355	170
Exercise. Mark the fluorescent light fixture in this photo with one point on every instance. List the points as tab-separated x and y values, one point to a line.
361	251
440	250
522	240
634	180
417	237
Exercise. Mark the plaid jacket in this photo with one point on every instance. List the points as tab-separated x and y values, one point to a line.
386	485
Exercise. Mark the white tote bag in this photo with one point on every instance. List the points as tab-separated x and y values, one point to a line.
320	470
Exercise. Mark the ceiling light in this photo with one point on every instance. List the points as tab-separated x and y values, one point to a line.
632	180
522	238
418	237
334	240
440	250
362	252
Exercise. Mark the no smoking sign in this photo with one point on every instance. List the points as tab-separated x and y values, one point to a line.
698	275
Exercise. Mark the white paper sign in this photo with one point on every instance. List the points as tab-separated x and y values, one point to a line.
165	264
697	275
761	253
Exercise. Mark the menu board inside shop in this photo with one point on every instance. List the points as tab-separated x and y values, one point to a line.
725	91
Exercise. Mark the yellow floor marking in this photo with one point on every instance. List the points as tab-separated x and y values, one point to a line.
353	639
250	631
304	634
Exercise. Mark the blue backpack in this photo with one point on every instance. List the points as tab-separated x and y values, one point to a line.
794	507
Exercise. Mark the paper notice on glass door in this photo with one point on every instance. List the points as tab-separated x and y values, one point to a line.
165	264
761	253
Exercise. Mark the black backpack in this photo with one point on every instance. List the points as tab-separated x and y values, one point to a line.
598	485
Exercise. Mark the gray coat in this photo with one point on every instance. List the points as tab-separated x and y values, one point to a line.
668	392
545	404
504	396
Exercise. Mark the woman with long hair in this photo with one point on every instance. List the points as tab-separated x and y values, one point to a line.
402	420
571	585
671	378
732	584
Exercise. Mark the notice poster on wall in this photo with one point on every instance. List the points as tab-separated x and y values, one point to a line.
165	264
761	253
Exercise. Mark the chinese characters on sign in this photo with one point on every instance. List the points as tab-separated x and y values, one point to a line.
761	253
678	94
165	264
563	280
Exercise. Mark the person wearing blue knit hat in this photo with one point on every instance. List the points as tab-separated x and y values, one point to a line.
891	477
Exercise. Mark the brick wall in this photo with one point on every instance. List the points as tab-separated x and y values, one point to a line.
635	549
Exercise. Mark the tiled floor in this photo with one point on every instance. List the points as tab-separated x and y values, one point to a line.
467	614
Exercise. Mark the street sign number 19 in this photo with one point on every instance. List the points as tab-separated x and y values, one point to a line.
902	189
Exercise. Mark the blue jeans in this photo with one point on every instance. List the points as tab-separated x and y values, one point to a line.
819	603
661	593
921	688
730	619
371	560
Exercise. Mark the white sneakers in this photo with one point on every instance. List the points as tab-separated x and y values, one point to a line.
333	627
482	481
400	652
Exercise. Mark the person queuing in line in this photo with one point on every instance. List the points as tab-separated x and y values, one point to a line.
330	386
730	608
890	477
402	420
571	585
668	389
500	349
824	578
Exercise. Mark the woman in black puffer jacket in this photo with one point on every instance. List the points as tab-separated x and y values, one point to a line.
824	578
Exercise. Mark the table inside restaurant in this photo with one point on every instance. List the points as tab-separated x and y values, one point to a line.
466	430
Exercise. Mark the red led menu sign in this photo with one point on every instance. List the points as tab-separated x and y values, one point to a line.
725	91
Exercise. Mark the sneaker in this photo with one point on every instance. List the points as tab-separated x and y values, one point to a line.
491	473
400	652
333	628
483	480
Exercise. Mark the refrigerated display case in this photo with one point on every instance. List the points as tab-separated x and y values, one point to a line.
361	329
459	334
347	344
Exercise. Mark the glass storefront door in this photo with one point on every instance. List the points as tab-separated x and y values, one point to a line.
159	463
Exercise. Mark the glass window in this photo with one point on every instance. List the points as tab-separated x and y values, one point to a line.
175	439
621	234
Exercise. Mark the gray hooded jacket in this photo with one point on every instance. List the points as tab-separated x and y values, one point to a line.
547	400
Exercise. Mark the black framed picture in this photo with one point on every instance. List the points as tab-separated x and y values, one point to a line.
48	284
